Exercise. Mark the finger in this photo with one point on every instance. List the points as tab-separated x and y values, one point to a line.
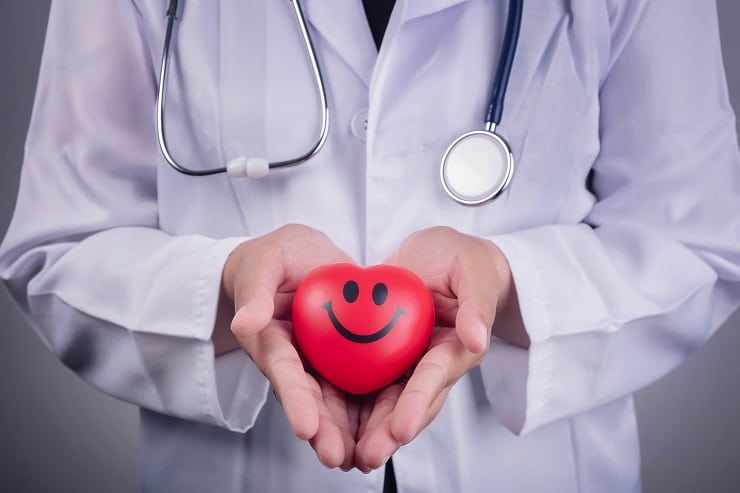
472	327
343	416
330	441
438	370
376	443
275	355
422	390
255	287
434	409
477	295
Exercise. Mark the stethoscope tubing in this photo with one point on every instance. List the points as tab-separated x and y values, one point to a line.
459	186
503	71
162	97
493	163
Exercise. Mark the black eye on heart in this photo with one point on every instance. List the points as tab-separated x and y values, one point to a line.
351	291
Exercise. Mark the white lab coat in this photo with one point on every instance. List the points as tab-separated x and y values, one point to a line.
118	258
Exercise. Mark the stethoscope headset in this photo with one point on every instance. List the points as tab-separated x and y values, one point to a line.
475	168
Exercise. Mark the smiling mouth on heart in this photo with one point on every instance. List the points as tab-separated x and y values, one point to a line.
375	336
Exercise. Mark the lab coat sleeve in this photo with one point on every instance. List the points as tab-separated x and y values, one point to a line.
127	306
619	300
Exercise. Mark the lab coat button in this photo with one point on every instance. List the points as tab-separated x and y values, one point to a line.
359	124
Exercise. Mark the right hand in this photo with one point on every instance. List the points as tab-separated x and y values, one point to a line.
260	277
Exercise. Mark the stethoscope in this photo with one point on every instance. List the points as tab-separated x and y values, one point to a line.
475	168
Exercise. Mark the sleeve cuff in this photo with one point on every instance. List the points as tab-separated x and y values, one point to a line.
234	390
598	308
517	381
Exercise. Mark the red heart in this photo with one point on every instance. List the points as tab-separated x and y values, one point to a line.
362	328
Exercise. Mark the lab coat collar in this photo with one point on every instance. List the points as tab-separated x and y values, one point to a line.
344	26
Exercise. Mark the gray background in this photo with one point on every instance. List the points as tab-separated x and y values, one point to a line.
58	434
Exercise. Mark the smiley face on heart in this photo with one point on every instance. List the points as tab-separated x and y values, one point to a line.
362	328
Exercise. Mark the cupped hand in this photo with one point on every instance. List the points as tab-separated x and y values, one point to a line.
470	281
260	277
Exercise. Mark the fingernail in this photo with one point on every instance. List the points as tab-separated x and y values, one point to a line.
238	315
483	336
321	460
240	322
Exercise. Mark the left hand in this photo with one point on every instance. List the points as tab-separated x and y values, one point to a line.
470	282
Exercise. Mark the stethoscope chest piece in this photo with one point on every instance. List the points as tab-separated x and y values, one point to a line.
476	167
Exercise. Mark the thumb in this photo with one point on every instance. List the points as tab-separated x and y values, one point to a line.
476	297
260	277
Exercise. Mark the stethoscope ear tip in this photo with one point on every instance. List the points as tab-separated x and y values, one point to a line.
241	167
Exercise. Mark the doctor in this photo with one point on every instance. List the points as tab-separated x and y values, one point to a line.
613	253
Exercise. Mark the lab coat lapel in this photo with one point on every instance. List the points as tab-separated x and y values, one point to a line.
344	27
